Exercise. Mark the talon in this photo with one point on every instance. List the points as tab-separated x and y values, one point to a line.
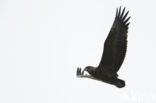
82	72
78	72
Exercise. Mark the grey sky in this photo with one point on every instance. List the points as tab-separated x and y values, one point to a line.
43	42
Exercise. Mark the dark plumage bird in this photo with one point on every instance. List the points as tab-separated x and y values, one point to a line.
113	53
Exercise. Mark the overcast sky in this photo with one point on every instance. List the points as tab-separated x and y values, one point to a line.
42	42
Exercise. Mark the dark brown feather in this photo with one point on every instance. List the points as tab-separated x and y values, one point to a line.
116	43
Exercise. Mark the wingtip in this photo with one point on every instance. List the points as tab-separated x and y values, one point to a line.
127	20
123	11
116	12
120	12
127	24
125	15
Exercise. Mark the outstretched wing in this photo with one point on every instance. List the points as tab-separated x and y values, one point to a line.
116	43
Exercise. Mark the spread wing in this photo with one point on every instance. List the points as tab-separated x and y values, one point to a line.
116	43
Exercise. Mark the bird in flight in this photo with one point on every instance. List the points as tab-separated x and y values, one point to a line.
115	47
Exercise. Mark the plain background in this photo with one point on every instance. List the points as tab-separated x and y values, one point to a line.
42	42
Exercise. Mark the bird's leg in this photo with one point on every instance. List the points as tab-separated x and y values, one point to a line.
79	73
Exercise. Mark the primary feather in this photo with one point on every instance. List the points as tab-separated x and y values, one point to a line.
116	43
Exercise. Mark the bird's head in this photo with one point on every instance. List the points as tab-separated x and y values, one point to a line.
89	69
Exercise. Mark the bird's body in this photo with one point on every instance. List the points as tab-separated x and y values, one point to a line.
105	76
113	54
